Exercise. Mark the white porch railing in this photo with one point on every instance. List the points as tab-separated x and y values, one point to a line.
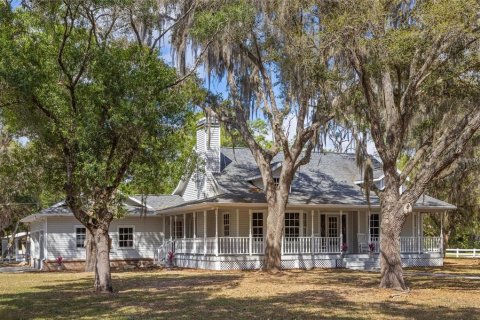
290	245
257	245
162	252
327	245
432	244
420	244
375	243
297	245
233	245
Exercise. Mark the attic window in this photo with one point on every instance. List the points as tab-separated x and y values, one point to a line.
276	182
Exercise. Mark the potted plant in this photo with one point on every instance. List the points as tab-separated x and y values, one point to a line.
371	246
59	261
170	258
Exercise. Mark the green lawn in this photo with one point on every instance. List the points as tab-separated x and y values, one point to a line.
193	294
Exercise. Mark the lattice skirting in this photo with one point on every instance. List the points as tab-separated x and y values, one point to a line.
286	264
422	262
252	263
309	263
241	265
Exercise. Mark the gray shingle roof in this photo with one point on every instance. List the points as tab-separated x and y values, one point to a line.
328	179
157	202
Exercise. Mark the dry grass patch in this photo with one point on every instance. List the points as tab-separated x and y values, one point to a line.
195	294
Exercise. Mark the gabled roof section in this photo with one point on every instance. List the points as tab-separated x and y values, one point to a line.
157	202
182	184
132	204
274	166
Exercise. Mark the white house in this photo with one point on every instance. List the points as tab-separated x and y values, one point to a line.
216	218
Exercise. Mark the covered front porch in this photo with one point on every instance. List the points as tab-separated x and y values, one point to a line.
239	234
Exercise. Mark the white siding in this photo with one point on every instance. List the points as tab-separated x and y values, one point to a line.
147	238
35	228
210	190
201	145
191	190
200	185
213	149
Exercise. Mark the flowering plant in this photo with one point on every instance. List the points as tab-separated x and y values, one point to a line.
371	246
170	257
59	260
344	247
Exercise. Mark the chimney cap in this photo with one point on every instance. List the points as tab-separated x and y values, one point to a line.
213	121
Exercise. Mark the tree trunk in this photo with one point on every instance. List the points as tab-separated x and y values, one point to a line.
446	236
11	241
275	223
103	277
90	252
393	213
390	260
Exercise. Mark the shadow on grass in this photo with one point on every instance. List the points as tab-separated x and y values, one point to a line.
175	295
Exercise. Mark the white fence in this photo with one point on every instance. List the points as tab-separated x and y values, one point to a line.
463	253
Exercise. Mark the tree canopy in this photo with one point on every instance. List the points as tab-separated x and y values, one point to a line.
104	106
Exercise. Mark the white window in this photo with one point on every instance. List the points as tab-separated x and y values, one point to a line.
226	224
178	229
80	237
292	224
125	237
332	226
257	224
374	225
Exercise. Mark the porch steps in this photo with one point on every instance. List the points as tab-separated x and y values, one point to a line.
361	263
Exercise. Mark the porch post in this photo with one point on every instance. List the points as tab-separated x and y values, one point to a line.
194	217
368	228
237	225
170	227
164	229
175	228
250	233
204	232
418	232
441	233
341	230
311	235
194	225
216	232
302	223
184	226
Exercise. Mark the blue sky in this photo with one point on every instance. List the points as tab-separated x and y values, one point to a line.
217	85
